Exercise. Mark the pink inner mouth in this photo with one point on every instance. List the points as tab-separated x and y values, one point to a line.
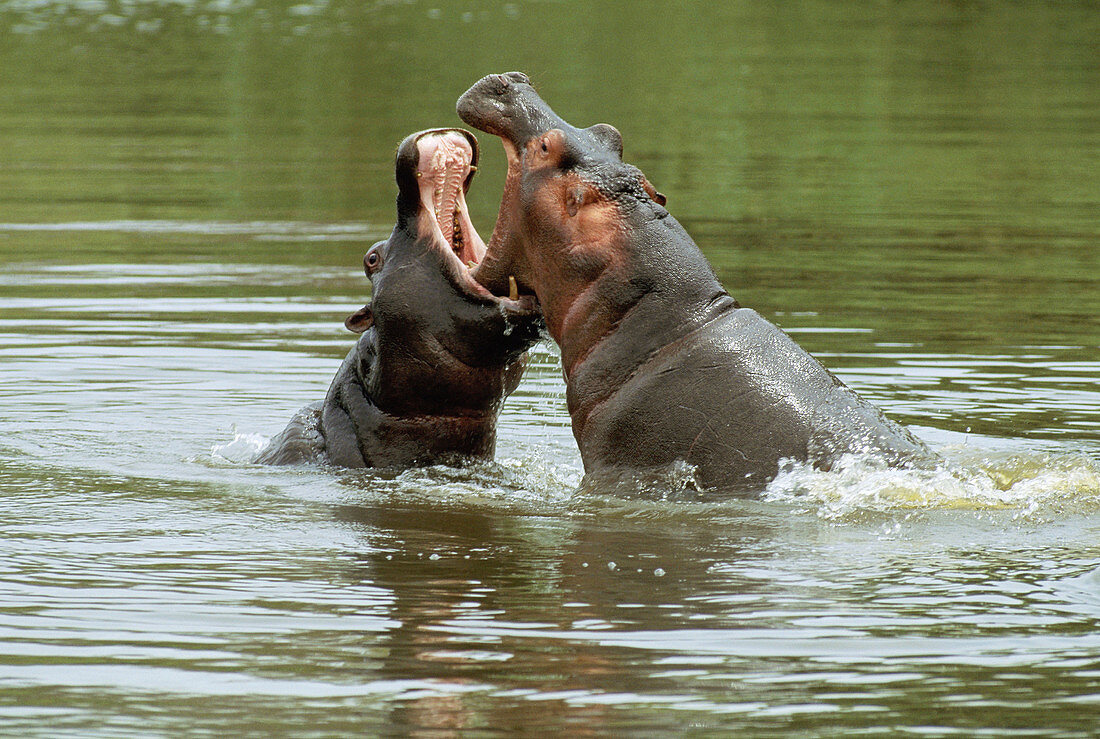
445	159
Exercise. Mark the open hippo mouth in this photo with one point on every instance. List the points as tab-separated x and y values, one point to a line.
447	160
446	164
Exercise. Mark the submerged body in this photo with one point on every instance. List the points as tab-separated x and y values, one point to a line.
438	353
661	364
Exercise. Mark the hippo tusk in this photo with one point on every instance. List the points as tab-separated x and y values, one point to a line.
513	289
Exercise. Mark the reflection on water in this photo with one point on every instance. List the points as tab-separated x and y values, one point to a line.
186	192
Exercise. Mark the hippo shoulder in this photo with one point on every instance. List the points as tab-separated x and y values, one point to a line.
348	415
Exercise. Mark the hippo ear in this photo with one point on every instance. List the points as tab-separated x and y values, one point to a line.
609	136
360	320
651	191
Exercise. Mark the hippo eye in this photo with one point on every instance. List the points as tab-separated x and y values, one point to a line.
372	261
545	148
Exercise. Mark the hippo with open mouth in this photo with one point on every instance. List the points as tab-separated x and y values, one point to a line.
438	352
661	365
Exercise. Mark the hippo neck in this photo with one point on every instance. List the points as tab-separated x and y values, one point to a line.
413	383
678	293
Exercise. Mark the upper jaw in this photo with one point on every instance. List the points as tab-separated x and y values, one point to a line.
446	163
506	105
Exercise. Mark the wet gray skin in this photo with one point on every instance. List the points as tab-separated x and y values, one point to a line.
662	366
438	353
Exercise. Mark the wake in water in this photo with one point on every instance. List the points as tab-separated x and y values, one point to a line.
530	485
1029	484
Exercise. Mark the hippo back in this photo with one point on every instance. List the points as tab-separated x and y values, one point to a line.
734	398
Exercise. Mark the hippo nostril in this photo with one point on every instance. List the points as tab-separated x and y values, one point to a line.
508	78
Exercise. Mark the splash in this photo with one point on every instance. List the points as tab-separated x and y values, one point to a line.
1026	484
666	484
532	485
241	450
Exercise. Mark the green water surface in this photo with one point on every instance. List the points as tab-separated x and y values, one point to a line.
911	189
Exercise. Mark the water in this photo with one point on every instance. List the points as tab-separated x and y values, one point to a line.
186	191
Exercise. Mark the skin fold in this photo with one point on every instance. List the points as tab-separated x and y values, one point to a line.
438	353
661	365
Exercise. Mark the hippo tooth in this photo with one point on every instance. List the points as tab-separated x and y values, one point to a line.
457	241
513	289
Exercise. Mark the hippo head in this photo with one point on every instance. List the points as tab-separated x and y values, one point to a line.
426	310
570	203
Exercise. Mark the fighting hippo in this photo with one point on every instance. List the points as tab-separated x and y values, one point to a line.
661	364
438	352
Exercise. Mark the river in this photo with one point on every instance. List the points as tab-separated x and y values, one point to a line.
910	189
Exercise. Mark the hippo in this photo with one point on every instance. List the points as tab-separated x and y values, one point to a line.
438	352
662	366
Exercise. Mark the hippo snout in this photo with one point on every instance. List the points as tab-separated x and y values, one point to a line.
505	105
482	106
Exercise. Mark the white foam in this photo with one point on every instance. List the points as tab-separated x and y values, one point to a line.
1027	484
242	450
